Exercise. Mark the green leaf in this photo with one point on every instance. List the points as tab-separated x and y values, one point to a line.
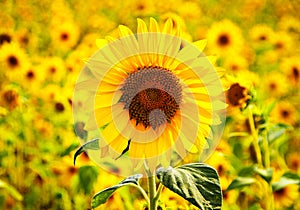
283	182
87	177
266	174
276	131
92	144
240	182
102	196
11	190
247	171
69	149
198	183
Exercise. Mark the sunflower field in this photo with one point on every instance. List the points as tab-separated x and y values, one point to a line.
44	46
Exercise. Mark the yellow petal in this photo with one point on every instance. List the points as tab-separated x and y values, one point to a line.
153	26
168	27
142	27
124	31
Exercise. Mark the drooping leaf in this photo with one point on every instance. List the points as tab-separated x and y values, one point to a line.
198	183
240	182
247	171
92	144
102	196
266	174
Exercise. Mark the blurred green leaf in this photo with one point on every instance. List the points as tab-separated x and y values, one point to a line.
11	190
240	182
92	144
69	149
87	176
276	131
283	182
198	183
102	196
247	171
266	174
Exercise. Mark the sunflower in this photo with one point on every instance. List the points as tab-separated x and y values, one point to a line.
261	33
274	84
224	37
291	68
13	59
285	112
157	94
286	196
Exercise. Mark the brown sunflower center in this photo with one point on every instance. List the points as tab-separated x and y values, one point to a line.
64	36
223	39
235	94
296	72
4	38
12	61
152	95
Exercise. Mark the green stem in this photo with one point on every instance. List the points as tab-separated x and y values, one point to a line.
255	137
142	191
152	193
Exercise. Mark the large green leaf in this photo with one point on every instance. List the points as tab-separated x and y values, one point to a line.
102	196
92	144
198	183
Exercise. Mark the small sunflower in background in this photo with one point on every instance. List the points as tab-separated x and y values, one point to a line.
274	84
290	66
53	69
285	112
261	34
157	94
286	196
14	60
282	43
224	37
65	36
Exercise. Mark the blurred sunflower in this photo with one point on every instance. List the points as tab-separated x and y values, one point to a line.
261	33
286	196
9	98
274	84
293	161
5	36
282	42
150	93
239	64
224	37
13	59
53	68
285	112
65	36
289	24
291	68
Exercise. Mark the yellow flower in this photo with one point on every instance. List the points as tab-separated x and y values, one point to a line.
289	24
53	68
150	100
282	42
239	64
9	98
291	68
13	60
286	196
285	112
293	161
261	33
274	84
224	37
65	35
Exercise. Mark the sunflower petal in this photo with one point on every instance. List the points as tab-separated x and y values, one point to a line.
142	27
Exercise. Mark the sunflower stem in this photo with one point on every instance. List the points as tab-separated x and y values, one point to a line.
152	205
255	137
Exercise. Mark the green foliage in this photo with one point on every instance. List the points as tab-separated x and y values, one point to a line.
102	196
87	176
92	144
196	182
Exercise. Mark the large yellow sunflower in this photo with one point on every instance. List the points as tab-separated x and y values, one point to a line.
151	94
